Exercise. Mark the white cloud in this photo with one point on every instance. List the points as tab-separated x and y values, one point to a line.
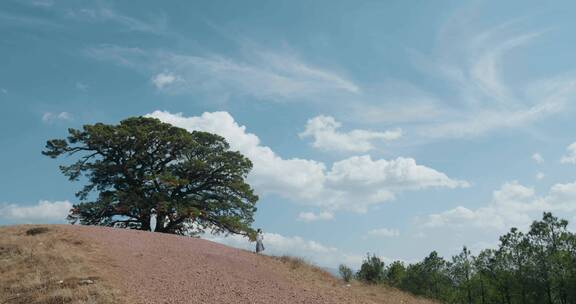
294	177
43	212
537	158
513	205
49	117
384	232
540	176
397	174
324	130
570	158
311	216
162	80
266	75
279	245
352	184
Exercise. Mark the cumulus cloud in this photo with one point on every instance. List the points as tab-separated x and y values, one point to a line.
49	117
278	245
570	157
540	176
352	184
43	212
513	205
324	130
311	216
384	232
537	158
397	174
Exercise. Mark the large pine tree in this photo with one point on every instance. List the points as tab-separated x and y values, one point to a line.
192	179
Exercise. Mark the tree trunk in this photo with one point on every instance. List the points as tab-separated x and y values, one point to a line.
482	291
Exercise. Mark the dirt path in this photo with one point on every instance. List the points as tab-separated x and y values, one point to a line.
159	268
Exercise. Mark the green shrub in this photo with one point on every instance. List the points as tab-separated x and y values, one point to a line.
372	270
345	272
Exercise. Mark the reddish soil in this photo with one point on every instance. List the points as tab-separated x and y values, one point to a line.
158	268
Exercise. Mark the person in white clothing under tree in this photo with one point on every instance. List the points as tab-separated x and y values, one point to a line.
259	241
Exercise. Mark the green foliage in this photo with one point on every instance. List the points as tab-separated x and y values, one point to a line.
345	272
395	273
429	278
372	270
536	267
193	180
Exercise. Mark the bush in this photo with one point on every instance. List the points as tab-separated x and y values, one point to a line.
372	270
395	273
345	272
293	262
37	230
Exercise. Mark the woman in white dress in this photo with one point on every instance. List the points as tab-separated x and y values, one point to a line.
153	220
259	241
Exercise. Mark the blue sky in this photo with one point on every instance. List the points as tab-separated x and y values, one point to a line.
391	127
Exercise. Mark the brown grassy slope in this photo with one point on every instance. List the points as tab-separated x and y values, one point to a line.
50	266
314	277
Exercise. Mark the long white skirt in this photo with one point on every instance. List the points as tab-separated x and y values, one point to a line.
259	246
153	222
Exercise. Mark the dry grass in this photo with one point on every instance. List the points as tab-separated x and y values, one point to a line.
308	275
46	265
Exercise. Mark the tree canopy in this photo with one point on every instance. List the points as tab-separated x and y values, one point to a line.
192	179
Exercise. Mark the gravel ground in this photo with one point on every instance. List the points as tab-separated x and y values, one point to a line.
159	268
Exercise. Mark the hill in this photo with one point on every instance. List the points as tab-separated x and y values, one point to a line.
87	264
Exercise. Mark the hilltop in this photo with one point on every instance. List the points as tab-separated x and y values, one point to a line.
88	264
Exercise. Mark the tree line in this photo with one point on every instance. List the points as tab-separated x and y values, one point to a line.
538	266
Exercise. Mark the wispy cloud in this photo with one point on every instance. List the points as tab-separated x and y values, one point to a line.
470	95
42	3
102	13
163	80
50	117
537	158
265	75
29	22
384	232
312	217
81	86
484	101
